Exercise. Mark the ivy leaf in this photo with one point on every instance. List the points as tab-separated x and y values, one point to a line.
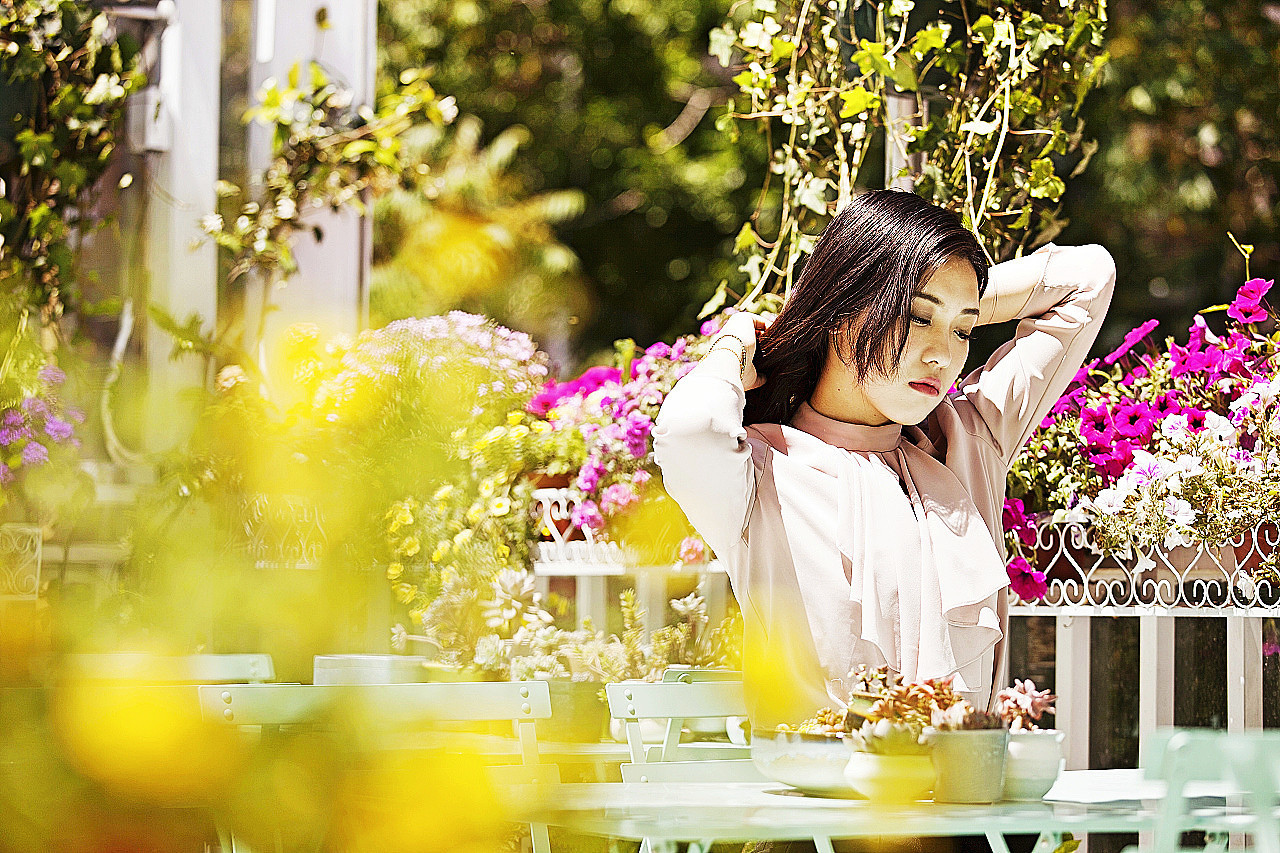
984	28
1045	183
782	49
904	73
871	56
930	38
746	238
721	42
716	302
857	100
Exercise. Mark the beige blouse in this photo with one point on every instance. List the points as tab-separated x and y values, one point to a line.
848	544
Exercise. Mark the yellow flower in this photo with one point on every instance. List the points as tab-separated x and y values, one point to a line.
442	493
438	554
504	551
499	507
514	418
519	432
449	574
404	516
541	427
474	515
463	537
405	592
394	570
410	546
417	614
486	488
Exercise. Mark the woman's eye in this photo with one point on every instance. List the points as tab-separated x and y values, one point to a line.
964	336
920	321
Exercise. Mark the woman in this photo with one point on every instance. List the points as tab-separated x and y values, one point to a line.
852	493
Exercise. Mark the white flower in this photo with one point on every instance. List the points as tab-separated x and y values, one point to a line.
1175	427
759	34
1188	464
1177	539
1109	502
1179	511
1222	430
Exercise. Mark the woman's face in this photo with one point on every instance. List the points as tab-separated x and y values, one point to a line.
943	314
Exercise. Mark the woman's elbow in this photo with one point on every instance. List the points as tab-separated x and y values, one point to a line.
1097	268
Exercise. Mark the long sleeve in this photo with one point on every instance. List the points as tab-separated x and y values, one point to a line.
1064	311
701	446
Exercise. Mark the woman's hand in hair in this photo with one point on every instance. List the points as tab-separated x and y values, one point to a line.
744	327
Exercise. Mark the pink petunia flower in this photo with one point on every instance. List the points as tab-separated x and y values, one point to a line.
692	551
1247	306
1131	340
1029	584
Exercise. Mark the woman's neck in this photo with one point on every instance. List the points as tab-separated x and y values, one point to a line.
839	397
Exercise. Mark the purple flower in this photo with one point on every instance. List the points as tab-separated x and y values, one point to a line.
35	453
1247	306
58	430
638	428
12	435
1186	360
1029	584
52	375
1130	340
12	418
6	474
1271	649
1015	519
589	475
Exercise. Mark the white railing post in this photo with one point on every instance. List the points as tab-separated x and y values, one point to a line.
1244	673
1071	683
1155	675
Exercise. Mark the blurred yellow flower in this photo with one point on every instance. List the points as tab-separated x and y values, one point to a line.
463	537
519	432
499	507
410	546
443	493
394	570
486	488
504	551
405	592
514	418
438	554
404	516
541	427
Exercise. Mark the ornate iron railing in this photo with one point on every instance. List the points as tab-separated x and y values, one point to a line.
20	554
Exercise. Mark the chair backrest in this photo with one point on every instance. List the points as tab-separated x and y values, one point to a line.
1181	758
688	675
20	554
721	770
675	702
273	705
1254	759
174	669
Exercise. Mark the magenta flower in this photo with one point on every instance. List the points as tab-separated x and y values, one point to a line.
1029	584
1165	405
1200	334
1271	649
1014	518
1195	419
1096	427
1247	306
586	515
1131	340
1134	420
1186	360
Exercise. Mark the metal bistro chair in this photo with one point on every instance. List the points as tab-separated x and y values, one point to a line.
677	701
174	669
271	706
1185	759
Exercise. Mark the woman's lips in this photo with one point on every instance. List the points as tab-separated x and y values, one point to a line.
925	387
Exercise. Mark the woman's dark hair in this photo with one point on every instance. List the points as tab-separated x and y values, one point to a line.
857	284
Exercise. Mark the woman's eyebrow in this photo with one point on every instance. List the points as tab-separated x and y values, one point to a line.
929	297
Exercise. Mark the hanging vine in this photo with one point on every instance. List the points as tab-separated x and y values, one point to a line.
992	128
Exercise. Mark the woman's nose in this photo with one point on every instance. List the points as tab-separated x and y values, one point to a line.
937	352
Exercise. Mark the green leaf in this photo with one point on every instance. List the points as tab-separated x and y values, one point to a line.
716	302
1068	845
870	57
904	73
745	239
932	37
782	49
984	28
1045	182
353	150
857	100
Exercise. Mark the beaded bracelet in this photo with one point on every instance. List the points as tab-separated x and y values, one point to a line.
720	343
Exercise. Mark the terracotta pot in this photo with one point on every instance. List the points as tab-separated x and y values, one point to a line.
970	765
1034	764
889	778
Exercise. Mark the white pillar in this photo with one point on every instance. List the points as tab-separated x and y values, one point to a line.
1155	676
1071	682
1244	673
182	266
330	288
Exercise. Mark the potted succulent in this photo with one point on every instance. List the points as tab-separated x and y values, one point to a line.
890	761
1035	754
969	750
